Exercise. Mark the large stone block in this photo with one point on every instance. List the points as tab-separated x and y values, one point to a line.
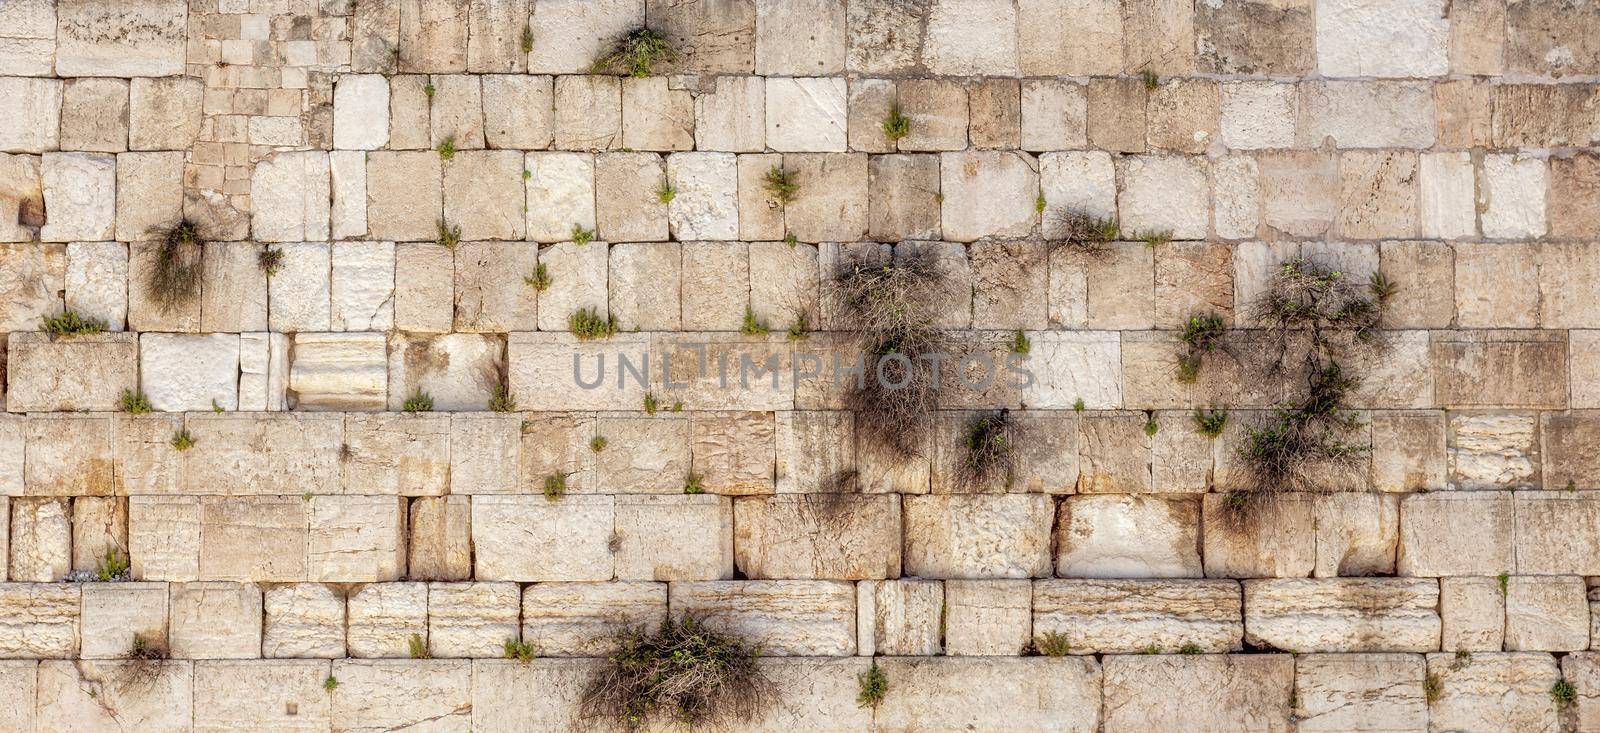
560	189
383	617
518	111
570	35
440	541
1273	38
1546	613
396	454
1128	537
253	539
274	453
1198	693
290	195
1512	196
1025	695
164	112
404	199
656	115
70	373
832	536
287	695
988	193
673	538
1128	616
1500	369
80	197
69	455
987	617
895	617
484	449
1493	691
1468	533
1275	538
1367	114
588	113
483	194
808	618
471	619
300	295
1404	38
582	619
124	39
705	204
356	539
977	536
1343	615
215	620
460	371
628	201
303	620
499	701
40	540
149	193
1360	692
37	127
339	371
531	538
108	696
190	372
41	620
806	114
402	695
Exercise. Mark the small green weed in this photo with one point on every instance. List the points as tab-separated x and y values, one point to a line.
897	125
666	194
70	323
597	443
417	647
1210	422
555	486
135	403
587	324
449	237
447	149
270	260
521	651
540	279
872	684
1020	343
692	485
419	401
753	326
581	236
781	184
1052	644
182	440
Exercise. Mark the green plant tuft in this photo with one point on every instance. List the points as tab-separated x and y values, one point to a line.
896	125
447	149
521	651
1151	81
330	683
501	399
112	566
651	404
449	237
1020	343
1077	405
597	443
581	236
781	184
1564	693
1151	427
666	194
753	326
637	54
135	403
692	485
182	440
1210	422
179	265
685	674
1190	648
1432	687
417	647
872	685
527	39
800	328
555	486
989	459
540	279
270	260
1052	644
419	401
587	324
71	323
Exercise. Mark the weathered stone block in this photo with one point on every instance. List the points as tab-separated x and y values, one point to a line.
581	619
783	536
215	620
814	618
440	541
253	539
1054	114
629	206
1500	369
397	695
86	372
483	194
383	617
283	694
705	202
1511	197
560	189
1357	38
190	372
392	454
1198	692
977	536
1546	613
987	617
339	371
69	455
290	194
1349	692
831	204
164	112
300	295
656	116
899	617
1493	692
531	538
362	286
988	193
1071	366
94	115
1128	616
1345	614
139	39
484	449
404	198
673	538
303	620
471	619
1456	534
639	279
356	539
361	112
37	126
715	285
588	112
1275	538
115	614
581	269
1128	536
731	116
80	196
41	540
518	111
568	37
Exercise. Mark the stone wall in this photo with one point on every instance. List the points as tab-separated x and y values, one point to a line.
312	526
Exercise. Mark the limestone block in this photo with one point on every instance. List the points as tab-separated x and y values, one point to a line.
498	684
399	695
287	694
760	213
1254	38
1094	48
987	193
570	35
356	539
1563	267
1116	290
253	539
1456	534
1198	692
1405	38
977	536
279	454
289	197
38	124
1513	300
559	444
806	114
69	373
1574	201
733	451
1010	282
972	38
403	194
1275	539
164	537
494	36
1117	118
1128	536
628	202
582	619
164	112
814	618
781	51
1494	692
41	620
1447	191
531	538
1076	183
483	194
832	201
1556	531
731	116
1128	616
361	112
362	286
902	195
937	111
1070	366
815	451
541	371
1542	115
384	616
1511	196
1585	368
871	102
94	115
1344	614
706	202
68	455
190	372
27	50
1377	195
234	296
656	116
80	196
1164	194
715	285
578	275
784	284
19	679
1546	613
1421	269
145	463
518	111
637	273
21	210
672	538
1545	39
141	39
300	295
459	371
215	620
471	619
1473	611
987	617
1299	191
483	453
303	620
1358	533
105	695
1505	369
440	541
758	386
410	124
1346	692
99	525
588	112
783	536
899	617
491	287
426	301
1236	196
13	447
41	540
1366	114
433	37
339	371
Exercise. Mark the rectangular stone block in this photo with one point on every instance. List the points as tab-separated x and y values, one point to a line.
70	373
69	455
399	695
253	539
987	617
1128	536
303	620
673	538
283	694
1500	369
1030	695
1494	692
439	544
1557	532
1198	692
822	536
406	455
383	617
106	695
1546	613
339	371
215	620
356	539
899	617
1350	692
39	620
814	618
40	540
1473	612
471	619
1130	616
1456	534
583	619
531	538
977	536
1343	615
114	615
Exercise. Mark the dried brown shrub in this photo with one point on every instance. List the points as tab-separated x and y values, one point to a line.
683	673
